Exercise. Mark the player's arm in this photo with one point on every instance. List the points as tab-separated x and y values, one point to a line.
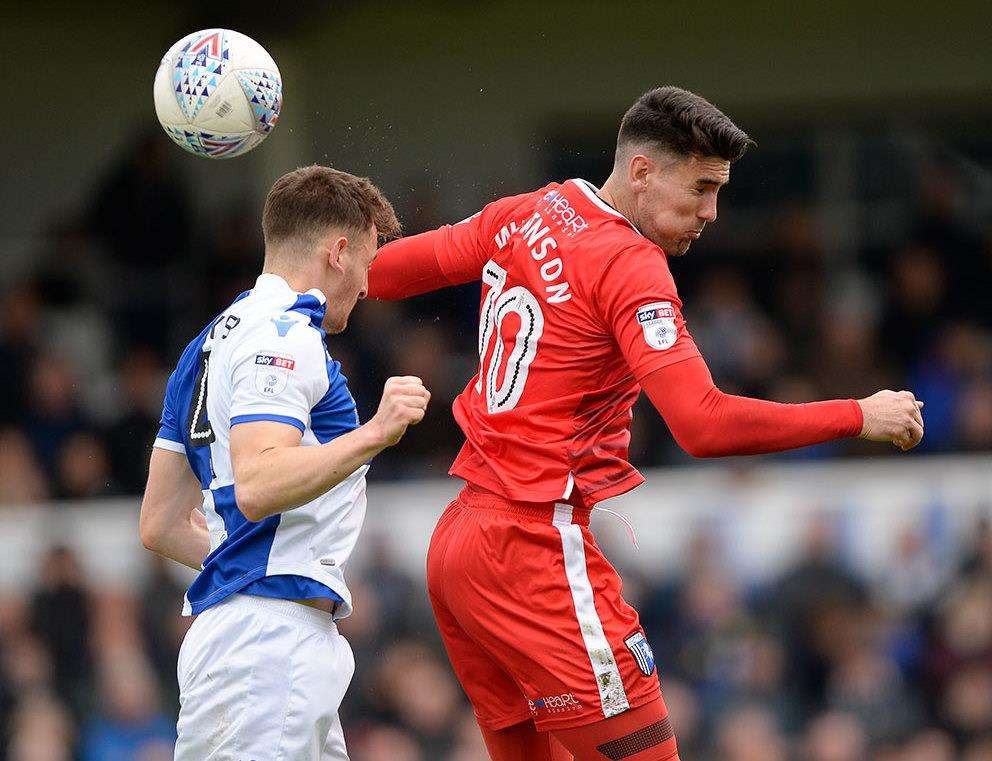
450	255
273	473
639	302
171	523
706	422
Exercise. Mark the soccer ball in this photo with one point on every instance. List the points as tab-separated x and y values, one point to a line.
217	93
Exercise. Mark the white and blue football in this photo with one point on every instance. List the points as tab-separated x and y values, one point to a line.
218	93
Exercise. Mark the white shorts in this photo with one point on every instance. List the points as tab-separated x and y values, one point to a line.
262	680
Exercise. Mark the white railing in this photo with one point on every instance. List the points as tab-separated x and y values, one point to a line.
757	512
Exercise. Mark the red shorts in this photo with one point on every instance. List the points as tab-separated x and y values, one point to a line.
532	615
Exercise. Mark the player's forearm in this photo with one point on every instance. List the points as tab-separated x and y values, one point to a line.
709	423
281	478
186	544
170	523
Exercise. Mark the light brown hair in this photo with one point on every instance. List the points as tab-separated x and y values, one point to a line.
303	204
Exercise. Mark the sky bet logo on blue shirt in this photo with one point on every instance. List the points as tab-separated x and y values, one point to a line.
272	373
270	360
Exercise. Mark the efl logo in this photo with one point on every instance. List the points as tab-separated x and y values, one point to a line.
270	360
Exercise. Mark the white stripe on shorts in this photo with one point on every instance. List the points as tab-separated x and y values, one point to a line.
604	666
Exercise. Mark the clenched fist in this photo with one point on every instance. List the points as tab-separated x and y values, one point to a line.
404	402
893	416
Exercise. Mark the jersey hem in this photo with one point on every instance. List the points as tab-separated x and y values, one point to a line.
194	608
624	485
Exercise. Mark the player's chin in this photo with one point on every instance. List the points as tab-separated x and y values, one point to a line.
333	327
681	247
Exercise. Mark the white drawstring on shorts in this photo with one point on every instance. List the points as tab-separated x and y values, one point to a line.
630	526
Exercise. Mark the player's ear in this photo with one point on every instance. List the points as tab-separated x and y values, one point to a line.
638	169
334	249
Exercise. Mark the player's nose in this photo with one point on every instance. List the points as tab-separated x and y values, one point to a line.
708	211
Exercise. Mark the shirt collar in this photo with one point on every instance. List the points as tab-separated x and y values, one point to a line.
269	281
590	191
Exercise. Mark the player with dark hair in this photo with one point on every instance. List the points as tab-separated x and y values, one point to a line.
579	313
257	481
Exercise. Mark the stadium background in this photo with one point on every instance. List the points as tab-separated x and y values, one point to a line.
828	605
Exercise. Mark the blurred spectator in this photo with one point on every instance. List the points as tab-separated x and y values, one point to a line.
817	604
54	412
141	215
83	468
744	352
978	557
20	331
979	750
865	685
930	745
29	485
913	578
750	734
130	721
161	626
469	745
141	386
60	617
917	302
835	737
386	743
42	731
974	416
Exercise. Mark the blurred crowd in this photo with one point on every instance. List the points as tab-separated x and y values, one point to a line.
89	332
818	664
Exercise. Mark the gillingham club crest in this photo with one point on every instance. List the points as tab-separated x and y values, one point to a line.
638	645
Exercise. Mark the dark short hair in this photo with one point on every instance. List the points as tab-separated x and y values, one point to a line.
680	122
304	203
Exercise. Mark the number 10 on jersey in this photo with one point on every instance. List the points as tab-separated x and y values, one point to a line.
498	304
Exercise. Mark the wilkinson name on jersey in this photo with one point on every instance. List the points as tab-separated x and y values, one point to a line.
535	233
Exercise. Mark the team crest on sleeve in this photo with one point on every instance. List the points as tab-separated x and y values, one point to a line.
638	645
272	373
658	323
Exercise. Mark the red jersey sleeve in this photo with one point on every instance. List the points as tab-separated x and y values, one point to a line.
450	255
637	299
709	423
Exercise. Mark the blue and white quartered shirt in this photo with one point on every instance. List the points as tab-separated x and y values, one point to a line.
264	358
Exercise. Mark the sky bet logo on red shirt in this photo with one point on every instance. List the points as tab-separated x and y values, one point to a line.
658	323
663	311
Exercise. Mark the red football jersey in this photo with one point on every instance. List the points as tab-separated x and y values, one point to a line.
577	306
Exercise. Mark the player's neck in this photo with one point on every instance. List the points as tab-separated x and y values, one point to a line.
300	279
613	193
